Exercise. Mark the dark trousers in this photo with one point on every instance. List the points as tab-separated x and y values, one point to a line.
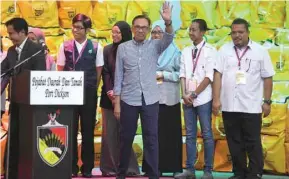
243	133
128	124
87	115
170	139
13	150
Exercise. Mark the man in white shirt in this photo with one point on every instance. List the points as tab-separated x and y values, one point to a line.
243	76
81	54
196	73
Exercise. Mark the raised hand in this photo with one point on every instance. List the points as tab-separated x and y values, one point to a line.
167	12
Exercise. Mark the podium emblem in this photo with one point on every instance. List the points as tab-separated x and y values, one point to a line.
52	140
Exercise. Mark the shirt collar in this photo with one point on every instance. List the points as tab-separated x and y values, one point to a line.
138	43
80	44
199	46
250	45
20	47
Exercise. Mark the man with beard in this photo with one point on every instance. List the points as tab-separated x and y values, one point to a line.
242	78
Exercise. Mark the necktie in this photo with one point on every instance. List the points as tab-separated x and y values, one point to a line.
18	50
195	51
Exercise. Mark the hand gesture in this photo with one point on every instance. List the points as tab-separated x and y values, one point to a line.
167	12
188	100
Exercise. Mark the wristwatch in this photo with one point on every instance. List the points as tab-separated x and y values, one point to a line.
169	23
194	95
267	101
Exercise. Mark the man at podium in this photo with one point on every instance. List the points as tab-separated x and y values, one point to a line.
81	54
21	50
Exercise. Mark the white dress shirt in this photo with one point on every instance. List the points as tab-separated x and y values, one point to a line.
204	68
20	48
98	60
256	64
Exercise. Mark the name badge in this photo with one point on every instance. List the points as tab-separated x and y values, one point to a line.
192	85
240	77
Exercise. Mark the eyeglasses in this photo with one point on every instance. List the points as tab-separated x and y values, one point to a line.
77	28
143	28
157	32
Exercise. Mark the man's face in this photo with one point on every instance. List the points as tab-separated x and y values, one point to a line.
15	37
195	33
239	35
78	30
140	29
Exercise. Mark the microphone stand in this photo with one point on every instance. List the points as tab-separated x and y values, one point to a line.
6	76
19	64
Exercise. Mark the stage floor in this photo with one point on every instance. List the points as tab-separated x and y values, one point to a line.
217	175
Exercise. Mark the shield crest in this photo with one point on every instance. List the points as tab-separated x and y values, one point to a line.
52	141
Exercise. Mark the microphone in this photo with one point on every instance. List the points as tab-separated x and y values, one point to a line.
43	45
5	76
20	63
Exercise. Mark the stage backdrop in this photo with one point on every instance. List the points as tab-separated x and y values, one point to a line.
269	22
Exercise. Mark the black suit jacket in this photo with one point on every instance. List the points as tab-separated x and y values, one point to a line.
107	77
29	48
38	62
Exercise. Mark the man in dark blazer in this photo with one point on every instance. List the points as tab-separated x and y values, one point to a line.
22	48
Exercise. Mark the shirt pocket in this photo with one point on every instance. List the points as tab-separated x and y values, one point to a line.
231	63
201	69
253	66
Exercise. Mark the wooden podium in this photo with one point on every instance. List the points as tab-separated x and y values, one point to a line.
46	101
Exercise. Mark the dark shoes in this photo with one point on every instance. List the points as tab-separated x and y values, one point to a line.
87	175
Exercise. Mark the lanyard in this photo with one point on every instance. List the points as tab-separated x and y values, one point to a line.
79	55
240	58
197	59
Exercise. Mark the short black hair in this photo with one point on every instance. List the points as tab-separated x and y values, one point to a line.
86	21
202	24
18	24
142	16
241	21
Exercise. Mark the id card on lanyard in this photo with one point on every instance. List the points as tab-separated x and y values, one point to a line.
193	83
240	74
79	55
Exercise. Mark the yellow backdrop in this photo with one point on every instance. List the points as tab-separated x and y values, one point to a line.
269	26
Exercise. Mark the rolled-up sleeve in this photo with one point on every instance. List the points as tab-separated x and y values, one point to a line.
219	62
118	71
182	66
61	56
267	69
99	56
210	63
164	42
